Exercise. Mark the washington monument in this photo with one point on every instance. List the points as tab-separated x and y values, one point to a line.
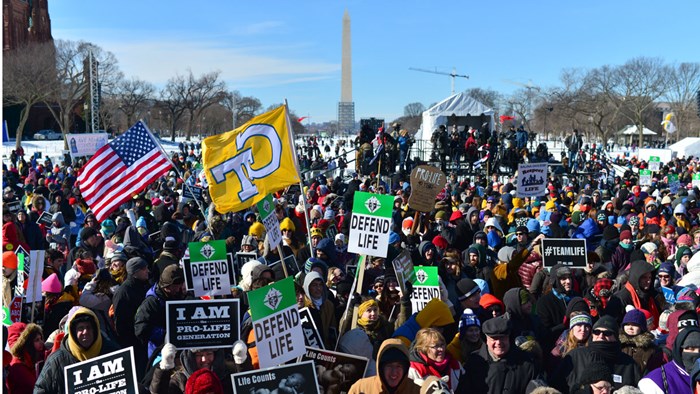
346	107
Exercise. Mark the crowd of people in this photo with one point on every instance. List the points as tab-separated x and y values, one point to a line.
627	322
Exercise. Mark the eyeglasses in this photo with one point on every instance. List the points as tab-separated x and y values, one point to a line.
602	387
437	347
604	333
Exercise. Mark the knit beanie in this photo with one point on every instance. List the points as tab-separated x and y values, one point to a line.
257	229
595	372
51	284
577	217
636	317
203	381
287	224
365	306
684	239
582	318
9	260
468	319
87	232
134	264
610	233
608	323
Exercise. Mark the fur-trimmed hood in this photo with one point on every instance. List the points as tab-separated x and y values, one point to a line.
644	340
21	338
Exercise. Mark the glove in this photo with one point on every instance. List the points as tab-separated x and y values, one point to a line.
73	225
409	291
355	300
168	354
240	352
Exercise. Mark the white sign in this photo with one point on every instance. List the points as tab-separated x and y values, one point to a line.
370	224
532	180
86	144
35	271
426	286
266	208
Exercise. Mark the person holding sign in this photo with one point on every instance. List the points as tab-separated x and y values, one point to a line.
83	341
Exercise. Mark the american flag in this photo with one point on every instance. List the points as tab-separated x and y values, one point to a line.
121	169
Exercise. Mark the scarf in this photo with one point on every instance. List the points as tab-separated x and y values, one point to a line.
83	354
8	289
637	304
439	369
366	323
609	351
561	296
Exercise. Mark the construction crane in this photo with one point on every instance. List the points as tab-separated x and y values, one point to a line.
453	74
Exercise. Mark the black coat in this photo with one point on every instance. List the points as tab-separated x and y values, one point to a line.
508	375
551	311
126	301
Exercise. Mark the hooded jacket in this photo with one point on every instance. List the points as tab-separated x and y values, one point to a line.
173	381
60	234
327	246
677	379
646	298
51	379
329	325
521	323
22	372
692	277
643	350
376	384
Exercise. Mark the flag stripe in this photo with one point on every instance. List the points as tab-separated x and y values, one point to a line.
121	169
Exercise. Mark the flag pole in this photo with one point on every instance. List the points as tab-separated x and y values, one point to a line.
301	179
184	181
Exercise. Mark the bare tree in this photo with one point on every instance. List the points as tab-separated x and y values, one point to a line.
27	79
488	97
173	100
131	95
247	108
683	86
230	101
202	93
413	109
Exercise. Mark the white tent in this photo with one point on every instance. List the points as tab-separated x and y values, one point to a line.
459	104
632	130
689	146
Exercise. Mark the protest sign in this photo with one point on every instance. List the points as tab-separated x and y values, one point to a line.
370	224
192	193
45	219
209	272
13	313
23	266
426	286
266	208
207	324
311	334
291	263
532	180
35	270
335	371
86	144
426	183
278	334
403	266
696	179
673	183
644	177
331	232
654	163
112	373
565	251
14	206
242	258
290	378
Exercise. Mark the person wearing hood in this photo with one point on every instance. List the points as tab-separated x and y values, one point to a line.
30	230
674	376
519	302
692	277
429	357
90	241
315	289
357	342
428	254
149	322
604	347
639	291
60	204
551	307
498	366
676	322
169	255
639	343
170	377
620	259
325	250
126	301
26	343
392	372
475	261
83	341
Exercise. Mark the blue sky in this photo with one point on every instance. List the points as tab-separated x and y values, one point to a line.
292	49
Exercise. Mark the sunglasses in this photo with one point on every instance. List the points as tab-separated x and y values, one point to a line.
604	333
664	276
518	234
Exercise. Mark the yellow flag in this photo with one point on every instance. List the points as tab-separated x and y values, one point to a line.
244	165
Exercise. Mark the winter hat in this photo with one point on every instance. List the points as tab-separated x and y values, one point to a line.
287	224
687	319
394	238
51	284
440	242
203	381
594	372
407	223
680	208
85	266
506	254
607	322
467	320
498	326
648	247
171	275
466	288
636	317
87	232
692	340
134	264
72	201
366	305
582	318
456	215
610	233
522	229
340	237
625	234
256	229
533	226
577	217
667	268
601	217
9	260
316	232
684	239
141	222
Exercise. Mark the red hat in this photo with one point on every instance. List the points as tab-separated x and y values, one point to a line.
72	201
9	260
440	242
626	234
456	215
203	381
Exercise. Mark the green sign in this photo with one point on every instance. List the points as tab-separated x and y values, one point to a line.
266	208
426	286
372	204
370	224
207	251
272	298
644	177
208	272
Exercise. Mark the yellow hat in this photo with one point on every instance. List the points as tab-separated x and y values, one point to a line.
257	229
287	224
550	205
316	232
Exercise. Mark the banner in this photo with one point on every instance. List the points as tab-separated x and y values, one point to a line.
532	180
565	251
654	163
14	206
403	266
336	371
370	224
242	166
266	208
86	144
207	324
275	314
112	373
34	273
290	378
645	177
425	287
312	337
209	271
426	183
